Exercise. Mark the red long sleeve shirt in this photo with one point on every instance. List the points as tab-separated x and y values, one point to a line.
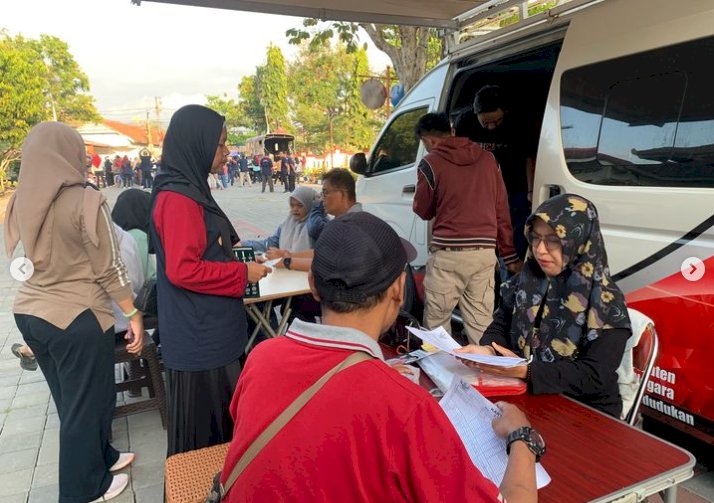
180	225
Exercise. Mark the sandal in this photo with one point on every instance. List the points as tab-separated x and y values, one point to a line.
26	362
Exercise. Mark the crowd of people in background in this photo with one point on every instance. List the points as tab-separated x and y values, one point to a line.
121	171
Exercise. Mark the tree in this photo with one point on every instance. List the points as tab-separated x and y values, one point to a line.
66	84
40	81
412	49
22	103
230	109
325	102
273	88
251	111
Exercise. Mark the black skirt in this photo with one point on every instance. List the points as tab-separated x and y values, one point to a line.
198	405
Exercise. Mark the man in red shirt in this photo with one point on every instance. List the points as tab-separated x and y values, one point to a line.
369	434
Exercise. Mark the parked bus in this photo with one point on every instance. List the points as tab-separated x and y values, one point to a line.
269	144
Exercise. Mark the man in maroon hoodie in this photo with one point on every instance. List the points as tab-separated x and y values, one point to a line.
460	186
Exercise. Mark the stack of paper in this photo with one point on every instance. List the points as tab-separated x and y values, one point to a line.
441	339
442	367
472	415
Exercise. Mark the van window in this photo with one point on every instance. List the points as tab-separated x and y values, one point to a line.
642	120
398	146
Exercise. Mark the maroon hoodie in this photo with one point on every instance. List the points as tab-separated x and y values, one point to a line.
460	186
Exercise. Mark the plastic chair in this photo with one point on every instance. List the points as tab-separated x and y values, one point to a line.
637	362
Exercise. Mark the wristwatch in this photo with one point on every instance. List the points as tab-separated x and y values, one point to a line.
287	261
532	439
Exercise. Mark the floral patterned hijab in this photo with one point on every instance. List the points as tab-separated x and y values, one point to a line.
580	302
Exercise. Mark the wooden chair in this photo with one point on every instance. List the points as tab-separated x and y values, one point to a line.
145	371
188	476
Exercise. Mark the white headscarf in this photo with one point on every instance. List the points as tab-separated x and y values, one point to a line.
293	233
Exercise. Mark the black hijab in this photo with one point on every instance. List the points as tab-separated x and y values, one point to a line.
581	302
189	148
131	211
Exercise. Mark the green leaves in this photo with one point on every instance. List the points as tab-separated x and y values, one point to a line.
324	98
273	89
40	80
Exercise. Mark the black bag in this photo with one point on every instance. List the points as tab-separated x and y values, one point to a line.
145	300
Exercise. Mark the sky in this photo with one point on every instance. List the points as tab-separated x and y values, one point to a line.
132	54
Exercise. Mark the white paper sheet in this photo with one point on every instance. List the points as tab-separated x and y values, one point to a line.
272	263
471	414
441	339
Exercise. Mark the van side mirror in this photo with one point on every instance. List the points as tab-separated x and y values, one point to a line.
358	163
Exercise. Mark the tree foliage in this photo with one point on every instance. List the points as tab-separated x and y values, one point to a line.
251	112
231	110
324	97
412	49
66	85
40	80
273	88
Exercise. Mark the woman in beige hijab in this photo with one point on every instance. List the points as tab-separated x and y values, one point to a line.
64	309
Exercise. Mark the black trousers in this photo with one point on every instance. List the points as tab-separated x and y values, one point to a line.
78	363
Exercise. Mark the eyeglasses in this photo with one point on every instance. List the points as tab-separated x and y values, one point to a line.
552	242
326	192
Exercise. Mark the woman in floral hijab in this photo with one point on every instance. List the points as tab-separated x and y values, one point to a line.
563	311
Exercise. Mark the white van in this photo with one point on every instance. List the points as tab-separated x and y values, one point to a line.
624	90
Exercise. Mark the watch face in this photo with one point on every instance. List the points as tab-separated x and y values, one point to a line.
536	438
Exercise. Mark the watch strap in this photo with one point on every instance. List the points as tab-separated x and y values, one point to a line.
524	434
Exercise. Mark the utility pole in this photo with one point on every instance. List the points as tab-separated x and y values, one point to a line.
157	111
148	129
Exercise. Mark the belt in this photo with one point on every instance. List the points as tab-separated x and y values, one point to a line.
465	248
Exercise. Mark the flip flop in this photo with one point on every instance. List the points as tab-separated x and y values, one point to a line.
26	362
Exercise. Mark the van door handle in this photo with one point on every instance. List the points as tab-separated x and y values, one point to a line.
409	189
554	190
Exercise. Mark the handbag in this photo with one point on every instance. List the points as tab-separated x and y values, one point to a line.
218	490
145	300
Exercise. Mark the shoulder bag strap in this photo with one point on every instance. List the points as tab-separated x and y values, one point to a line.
286	416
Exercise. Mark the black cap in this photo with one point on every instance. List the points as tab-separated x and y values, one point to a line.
357	256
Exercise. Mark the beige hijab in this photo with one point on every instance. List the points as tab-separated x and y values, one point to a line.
53	157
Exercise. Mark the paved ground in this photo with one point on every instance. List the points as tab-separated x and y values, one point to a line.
29	426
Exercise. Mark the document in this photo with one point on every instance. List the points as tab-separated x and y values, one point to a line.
440	339
471	414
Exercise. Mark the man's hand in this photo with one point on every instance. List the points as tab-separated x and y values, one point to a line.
515	267
510	420
273	253
403	369
256	272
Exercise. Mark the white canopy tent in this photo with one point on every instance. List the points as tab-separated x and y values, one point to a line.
449	14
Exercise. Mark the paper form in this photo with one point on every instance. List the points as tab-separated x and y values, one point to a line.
471	414
441	339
